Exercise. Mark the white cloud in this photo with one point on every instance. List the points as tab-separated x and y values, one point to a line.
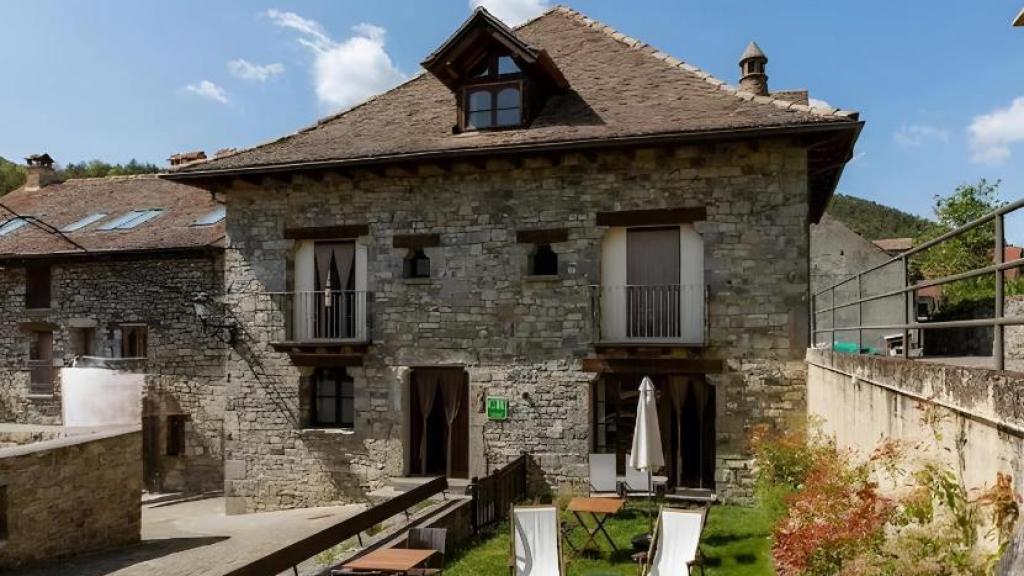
512	12
819	103
208	89
914	135
347	72
259	72
993	133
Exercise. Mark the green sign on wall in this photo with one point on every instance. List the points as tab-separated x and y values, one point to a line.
497	408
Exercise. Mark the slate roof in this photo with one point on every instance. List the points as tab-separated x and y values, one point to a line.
621	88
61	204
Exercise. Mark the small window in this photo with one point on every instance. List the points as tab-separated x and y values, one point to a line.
176	434
212	218
417	265
333	398
37	286
131	220
134	341
40	362
83	341
91	219
506	65
494	106
544	261
12	225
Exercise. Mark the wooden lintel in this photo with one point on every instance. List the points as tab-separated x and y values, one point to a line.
653	365
550	236
654	217
416	241
325	360
327	232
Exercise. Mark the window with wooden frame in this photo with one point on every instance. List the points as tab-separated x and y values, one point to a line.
40	362
493	96
333	399
134	341
37	286
176	434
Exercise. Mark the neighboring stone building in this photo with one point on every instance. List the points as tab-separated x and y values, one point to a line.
67	492
112	271
837	254
487	259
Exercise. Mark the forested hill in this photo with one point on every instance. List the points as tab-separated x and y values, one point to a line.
11	176
875	221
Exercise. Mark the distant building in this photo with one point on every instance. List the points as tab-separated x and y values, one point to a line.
112	271
894	246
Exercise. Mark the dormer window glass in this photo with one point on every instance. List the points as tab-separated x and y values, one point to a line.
494	106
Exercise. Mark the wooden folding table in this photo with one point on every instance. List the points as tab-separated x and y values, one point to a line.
600	509
394	560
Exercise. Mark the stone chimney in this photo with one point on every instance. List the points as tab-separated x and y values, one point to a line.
752	70
39	172
184	158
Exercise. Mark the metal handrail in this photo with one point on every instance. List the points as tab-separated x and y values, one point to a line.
908	291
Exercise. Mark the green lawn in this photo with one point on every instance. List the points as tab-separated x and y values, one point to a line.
736	543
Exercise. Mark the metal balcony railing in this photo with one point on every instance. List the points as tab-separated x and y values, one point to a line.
674	313
824	304
324	315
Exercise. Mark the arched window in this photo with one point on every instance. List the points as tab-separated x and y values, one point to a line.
544	261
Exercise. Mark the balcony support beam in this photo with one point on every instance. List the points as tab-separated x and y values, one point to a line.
640	365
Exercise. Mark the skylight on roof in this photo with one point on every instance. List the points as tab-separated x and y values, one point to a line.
90	219
212	218
12	225
131	219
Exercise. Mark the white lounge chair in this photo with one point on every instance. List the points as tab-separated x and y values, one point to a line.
603	481
536	542
675	548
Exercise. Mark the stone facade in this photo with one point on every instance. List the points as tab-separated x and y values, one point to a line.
184	364
49	517
515	336
1013	344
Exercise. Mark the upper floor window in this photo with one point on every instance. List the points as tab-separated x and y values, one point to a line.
134	341
493	98
333	398
37	286
417	265
544	261
40	360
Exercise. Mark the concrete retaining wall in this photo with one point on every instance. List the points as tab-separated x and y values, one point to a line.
863	399
69	495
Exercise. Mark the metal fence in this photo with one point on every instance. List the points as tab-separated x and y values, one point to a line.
332	315
649	313
908	292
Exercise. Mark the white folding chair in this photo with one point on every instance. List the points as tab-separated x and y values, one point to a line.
603	481
536	542
637	481
675	548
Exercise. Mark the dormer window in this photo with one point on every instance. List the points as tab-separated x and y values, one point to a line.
498	80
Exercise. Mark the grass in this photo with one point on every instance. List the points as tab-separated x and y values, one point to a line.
735	543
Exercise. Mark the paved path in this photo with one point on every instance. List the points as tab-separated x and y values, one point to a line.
198	539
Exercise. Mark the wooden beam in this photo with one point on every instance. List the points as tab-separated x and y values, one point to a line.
654	365
550	236
416	241
327	232
325	360
652	217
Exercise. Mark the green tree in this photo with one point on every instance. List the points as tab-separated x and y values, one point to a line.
968	251
100	169
11	176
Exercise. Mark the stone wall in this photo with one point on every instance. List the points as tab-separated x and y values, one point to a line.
72	495
1013	336
516	337
185	362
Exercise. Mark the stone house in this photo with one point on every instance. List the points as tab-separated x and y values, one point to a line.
111	272
486	260
837	254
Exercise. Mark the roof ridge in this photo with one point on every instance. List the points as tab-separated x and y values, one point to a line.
646	48
115	177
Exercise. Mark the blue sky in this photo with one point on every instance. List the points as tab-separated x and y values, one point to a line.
940	84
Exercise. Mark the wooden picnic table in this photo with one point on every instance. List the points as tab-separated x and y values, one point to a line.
397	560
600	509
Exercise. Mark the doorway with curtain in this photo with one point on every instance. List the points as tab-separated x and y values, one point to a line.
333	306
439	422
686	417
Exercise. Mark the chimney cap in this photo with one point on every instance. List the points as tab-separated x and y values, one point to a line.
186	157
752	51
43	160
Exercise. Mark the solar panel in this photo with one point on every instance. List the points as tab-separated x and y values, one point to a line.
212	218
90	219
131	219
12	225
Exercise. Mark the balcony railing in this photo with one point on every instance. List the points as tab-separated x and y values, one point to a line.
324	315
649	314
